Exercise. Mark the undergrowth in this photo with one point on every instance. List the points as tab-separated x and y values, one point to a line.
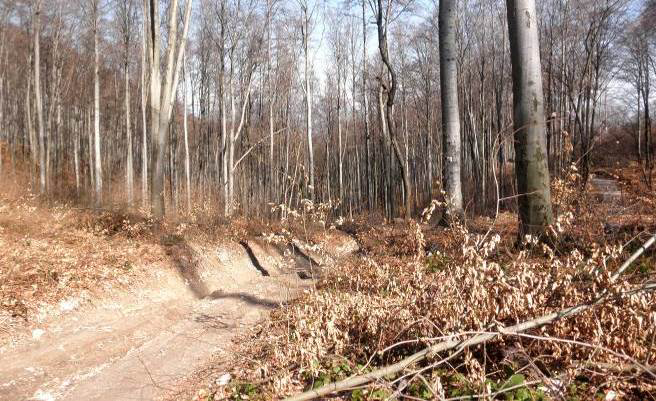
415	286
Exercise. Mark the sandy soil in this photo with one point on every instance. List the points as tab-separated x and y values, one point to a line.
139	344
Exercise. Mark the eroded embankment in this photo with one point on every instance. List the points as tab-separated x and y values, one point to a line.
138	344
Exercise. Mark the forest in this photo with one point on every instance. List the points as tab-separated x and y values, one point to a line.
363	200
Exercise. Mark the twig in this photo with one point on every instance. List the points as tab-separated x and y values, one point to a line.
461	344
434	349
505	390
633	257
150	376
636	364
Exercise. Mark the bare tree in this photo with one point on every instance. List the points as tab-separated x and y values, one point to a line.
127	16
532	171
450	114
144	97
95	15
638	71
306	27
161	91
38	96
186	133
382	22
224	147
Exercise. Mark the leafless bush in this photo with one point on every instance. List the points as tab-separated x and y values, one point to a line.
400	298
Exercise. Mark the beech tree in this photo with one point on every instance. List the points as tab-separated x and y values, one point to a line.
162	89
306	31
38	97
94	16
127	16
257	123
450	114
388	123
532	171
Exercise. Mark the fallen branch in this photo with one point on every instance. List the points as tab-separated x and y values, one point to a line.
634	256
434	349
494	394
455	340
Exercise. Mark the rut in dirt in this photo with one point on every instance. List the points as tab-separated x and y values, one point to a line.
139	345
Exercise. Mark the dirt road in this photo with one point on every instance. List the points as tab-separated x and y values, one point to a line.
136	346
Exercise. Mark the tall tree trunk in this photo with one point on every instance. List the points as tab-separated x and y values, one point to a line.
76	153
39	99
381	22
96	106
451	178
308	97
92	176
129	167
222	112
158	138
340	156
532	171
649	157
231	144
3	130
186	134
144	129
32	136
365	100
272	176
161	92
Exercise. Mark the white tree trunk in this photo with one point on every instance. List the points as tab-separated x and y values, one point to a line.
450	113
96	107
38	98
144	129
224	148
2	118
76	155
186	135
231	146
92	177
340	154
161	93
308	96
129	179
529	124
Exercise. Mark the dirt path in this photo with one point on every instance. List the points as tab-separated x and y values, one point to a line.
606	189
138	345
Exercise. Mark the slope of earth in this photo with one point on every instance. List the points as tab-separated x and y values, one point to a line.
91	314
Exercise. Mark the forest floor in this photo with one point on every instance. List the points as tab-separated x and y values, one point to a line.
111	306
413	285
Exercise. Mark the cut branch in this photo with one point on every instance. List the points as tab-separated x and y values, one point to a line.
457	341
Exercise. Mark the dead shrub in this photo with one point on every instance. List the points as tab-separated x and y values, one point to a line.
399	298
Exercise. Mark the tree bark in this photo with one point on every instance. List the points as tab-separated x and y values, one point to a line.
161	92
451	177
129	179
186	135
381	22
365	100
39	99
532	171
308	97
96	107
144	96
